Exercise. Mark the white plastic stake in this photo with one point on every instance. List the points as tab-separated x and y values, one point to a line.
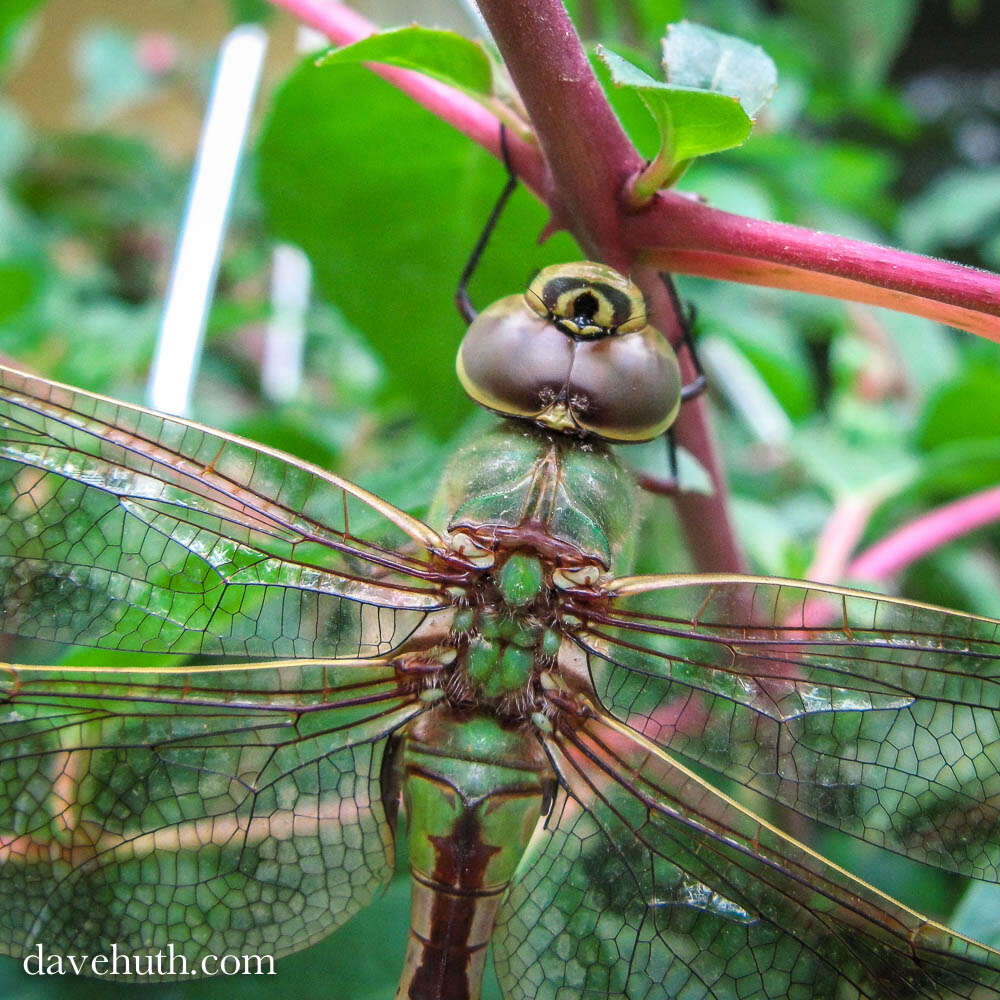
196	260
291	283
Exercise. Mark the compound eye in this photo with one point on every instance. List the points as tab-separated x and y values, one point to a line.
587	300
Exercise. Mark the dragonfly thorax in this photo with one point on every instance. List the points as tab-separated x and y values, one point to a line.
519	488
504	641
576	355
536	518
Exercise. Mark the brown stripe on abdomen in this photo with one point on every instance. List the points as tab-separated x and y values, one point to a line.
449	934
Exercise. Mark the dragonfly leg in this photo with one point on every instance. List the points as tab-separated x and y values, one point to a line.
462	300
669	486
685	317
672	453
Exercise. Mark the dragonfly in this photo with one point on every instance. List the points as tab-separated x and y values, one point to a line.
566	742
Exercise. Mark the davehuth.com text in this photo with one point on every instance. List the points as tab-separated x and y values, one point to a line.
154	964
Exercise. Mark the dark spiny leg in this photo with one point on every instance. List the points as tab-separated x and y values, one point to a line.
685	318
657	484
465	306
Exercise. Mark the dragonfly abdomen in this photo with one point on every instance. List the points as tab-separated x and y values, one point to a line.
473	791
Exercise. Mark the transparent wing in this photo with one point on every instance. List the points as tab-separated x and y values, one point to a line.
646	883
221	810
125	529
873	715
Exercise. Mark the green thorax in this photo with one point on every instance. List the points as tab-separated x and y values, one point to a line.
504	643
520	479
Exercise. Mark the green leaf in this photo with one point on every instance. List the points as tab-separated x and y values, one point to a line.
957	209
715	85
13	15
968	408
388	201
444	55
635	21
772	531
857	39
991	251
911	883
691	122
840	467
736	378
978	914
927	352
769	343
250	11
19	284
809	177
957	468
702	59
729	190
963	575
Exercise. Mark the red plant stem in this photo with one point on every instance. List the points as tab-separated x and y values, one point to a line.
925	534
705	520
591	159
589	155
680	234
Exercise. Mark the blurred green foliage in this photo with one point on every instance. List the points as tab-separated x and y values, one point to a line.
815	402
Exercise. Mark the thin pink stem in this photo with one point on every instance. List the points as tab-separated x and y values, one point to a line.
925	534
840	535
339	23
913	541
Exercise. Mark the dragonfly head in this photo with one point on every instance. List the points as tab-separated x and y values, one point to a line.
574	354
